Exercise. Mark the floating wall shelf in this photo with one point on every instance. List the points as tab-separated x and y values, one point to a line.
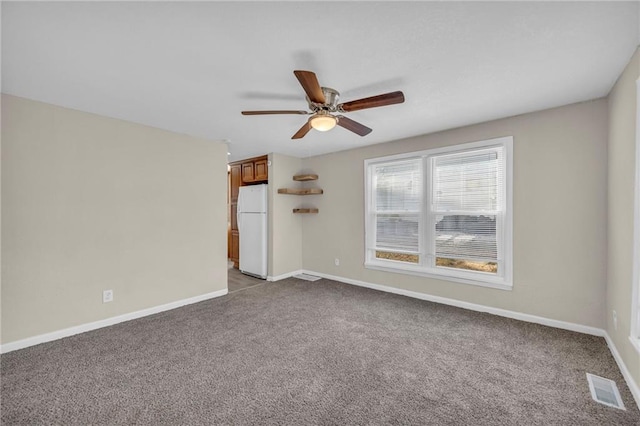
302	178
300	191
303	191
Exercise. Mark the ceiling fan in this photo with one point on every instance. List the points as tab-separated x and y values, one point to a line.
323	103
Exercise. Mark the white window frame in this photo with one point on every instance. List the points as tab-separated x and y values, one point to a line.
634	336
503	281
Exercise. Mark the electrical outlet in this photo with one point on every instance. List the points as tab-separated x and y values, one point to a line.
107	296
615	320
336	261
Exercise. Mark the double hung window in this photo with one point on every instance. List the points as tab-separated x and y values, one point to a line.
444	212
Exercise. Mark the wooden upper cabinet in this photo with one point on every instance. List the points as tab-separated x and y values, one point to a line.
260	170
247	172
253	170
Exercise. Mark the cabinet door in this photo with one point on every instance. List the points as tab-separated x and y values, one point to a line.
234	217
235	176
247	172
261	171
235	248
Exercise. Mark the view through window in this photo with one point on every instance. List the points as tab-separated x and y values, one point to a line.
444	212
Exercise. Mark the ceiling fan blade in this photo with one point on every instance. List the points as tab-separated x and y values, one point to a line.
373	102
303	131
310	84
274	112
354	126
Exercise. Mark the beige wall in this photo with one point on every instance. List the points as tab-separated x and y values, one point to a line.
91	203
285	228
560	250
621	178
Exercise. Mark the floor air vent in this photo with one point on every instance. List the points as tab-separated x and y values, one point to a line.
604	391
306	277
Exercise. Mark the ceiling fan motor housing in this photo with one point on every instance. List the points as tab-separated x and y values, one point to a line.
331	97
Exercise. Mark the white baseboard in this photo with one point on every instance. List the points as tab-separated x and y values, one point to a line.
283	276
59	334
633	386
471	306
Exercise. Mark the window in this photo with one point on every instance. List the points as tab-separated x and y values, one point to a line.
444	212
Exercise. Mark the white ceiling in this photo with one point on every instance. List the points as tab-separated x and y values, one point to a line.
192	67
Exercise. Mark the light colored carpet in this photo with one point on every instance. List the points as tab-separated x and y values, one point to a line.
295	352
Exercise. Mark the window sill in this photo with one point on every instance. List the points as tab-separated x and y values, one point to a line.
635	342
422	273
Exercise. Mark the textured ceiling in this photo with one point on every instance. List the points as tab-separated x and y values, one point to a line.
192	67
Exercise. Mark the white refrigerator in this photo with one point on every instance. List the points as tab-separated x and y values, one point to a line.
252	226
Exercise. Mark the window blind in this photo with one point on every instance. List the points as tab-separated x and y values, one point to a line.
398	198
468	181
467	202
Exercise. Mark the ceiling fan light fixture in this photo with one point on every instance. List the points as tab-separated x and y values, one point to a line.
323	121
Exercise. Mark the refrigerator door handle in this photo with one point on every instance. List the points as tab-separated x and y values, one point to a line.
238	210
